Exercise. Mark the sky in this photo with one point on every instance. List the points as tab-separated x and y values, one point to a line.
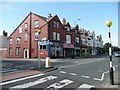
93	15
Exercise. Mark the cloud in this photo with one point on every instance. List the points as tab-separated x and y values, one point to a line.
6	7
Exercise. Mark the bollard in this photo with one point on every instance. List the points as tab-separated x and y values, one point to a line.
47	62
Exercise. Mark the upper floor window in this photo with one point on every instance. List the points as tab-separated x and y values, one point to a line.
26	25
77	39
18	51
68	39
58	36
56	24
20	29
26	37
10	51
18	40
36	23
54	35
36	35
11	41
68	29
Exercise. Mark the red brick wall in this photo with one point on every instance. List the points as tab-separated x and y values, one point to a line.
61	30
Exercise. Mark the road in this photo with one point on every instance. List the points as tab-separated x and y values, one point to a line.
71	73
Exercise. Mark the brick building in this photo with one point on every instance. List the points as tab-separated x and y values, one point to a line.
56	39
22	43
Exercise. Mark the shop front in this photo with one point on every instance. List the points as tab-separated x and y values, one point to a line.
68	50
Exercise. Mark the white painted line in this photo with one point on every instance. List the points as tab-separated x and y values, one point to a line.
16	80
73	74
85	86
62	72
29	84
102	76
85	76
60	84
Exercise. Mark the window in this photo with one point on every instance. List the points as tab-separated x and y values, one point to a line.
18	40
36	23
36	35
68	29
18	51
10	51
77	39
10	41
0	53
54	35
44	47
26	25
58	36
56	24
68	39
20	29
5	52
26	37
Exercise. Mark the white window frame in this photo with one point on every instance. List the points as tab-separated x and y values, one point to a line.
26	37
10	51
36	24
77	39
68	38
57	24
54	35
10	41
58	36
20	29
26	25
18	40
18	51
36	35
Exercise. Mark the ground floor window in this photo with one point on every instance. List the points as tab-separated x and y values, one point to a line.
10	51
18	51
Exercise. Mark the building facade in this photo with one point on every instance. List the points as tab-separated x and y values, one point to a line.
56	38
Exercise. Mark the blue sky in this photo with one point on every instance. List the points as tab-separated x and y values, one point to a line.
93	15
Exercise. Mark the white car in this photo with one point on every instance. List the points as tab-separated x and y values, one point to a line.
117	54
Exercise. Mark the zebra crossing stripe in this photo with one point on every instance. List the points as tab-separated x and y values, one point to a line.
86	86
60	84
29	84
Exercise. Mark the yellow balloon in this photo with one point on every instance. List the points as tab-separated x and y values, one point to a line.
108	23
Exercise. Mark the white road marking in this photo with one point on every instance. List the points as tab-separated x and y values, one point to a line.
16	80
60	84
86	86
102	76
42	80
85	76
73	74
62	72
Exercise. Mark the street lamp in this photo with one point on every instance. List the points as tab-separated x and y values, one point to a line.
108	24
39	31
76	21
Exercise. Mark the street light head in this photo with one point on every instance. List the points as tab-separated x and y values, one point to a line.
108	23
39	31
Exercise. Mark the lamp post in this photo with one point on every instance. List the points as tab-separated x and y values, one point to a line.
108	24
39	31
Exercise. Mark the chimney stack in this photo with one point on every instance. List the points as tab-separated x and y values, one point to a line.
49	16
5	33
64	21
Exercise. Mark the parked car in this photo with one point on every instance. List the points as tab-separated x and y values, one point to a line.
117	54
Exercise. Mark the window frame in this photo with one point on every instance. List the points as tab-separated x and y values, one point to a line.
10	51
26	25
36	23
18	51
54	36
10	41
18	40
58	36
20	29
36	36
